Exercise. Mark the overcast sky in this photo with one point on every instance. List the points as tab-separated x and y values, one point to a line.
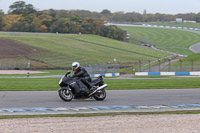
152	6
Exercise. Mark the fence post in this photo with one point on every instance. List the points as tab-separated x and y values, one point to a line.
192	67
169	68
149	65
107	66
159	65
117	67
29	65
180	65
140	66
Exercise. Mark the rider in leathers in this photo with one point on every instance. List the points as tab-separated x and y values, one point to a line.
81	73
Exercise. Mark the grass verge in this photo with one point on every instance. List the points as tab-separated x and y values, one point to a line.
49	84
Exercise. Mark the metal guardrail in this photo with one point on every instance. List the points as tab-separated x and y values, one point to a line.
92	69
104	68
168	65
14	65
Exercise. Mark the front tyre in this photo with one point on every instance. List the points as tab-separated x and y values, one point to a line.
65	94
100	95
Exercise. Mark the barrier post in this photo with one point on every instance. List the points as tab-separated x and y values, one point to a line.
180	65
140	66
169	67
192	65
149	65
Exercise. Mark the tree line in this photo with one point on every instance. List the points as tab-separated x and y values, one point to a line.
25	18
148	17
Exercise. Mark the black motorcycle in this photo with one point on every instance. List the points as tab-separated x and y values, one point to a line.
74	88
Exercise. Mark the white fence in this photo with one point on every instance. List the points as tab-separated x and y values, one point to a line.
171	27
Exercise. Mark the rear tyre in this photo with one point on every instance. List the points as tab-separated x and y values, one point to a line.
65	94
100	95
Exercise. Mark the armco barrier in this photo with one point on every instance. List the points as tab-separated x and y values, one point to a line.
105	75
171	27
166	73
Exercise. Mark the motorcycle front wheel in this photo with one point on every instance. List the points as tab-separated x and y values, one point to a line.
100	95
65	94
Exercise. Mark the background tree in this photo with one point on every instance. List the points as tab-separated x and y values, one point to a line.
29	9
197	17
58	26
105	12
20	7
33	23
19	26
45	20
117	17
145	12
52	13
1	19
17	7
8	20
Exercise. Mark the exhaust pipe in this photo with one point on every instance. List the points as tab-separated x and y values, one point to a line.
99	88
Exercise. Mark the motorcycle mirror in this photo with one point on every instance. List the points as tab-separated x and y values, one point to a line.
67	73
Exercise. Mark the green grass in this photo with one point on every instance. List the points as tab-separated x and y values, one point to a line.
177	41
28	84
153	83
47	84
60	50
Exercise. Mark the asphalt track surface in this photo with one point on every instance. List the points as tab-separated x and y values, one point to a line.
147	97
196	47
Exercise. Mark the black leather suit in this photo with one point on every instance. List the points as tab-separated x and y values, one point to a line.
84	76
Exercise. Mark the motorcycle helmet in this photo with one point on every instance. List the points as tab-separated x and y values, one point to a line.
75	66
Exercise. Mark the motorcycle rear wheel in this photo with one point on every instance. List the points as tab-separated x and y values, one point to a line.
65	95
100	95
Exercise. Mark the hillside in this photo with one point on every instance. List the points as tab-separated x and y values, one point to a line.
60	50
177	41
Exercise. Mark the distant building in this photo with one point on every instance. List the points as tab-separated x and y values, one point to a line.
179	20
172	21
188	21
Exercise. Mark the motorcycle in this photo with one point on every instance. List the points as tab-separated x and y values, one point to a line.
74	88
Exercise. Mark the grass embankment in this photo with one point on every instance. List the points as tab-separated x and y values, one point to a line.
60	50
177	41
46	84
